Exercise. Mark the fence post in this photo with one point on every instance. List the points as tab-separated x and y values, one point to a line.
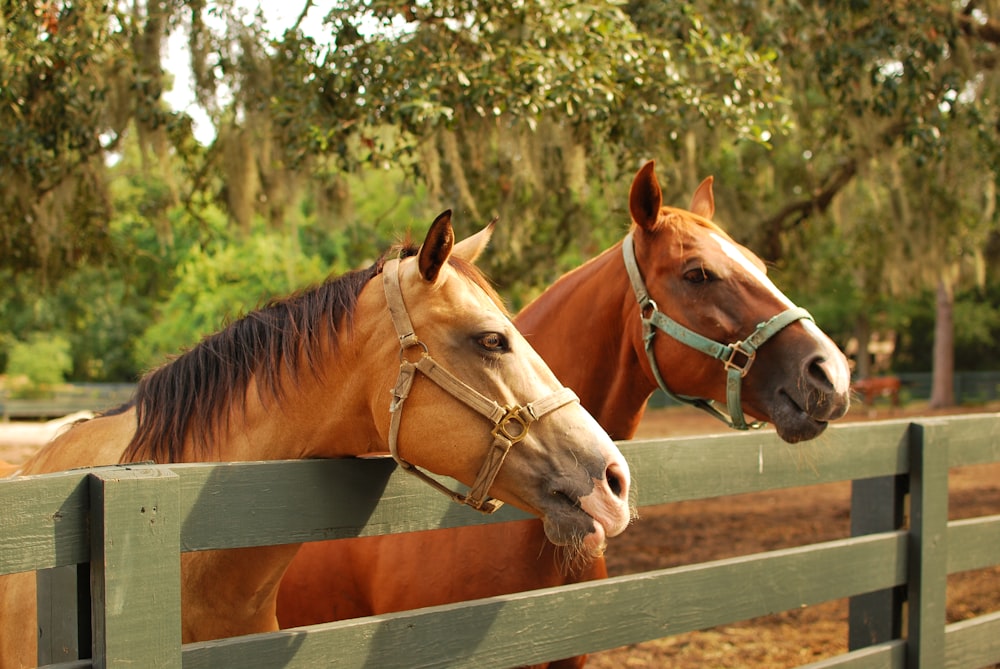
63	599
135	567
927	549
877	505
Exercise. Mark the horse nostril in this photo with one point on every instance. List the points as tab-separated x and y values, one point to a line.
817	372
616	482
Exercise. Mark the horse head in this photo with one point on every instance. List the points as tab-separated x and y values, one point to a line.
753	349
475	402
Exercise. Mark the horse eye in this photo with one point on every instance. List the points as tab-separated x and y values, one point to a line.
698	275
494	342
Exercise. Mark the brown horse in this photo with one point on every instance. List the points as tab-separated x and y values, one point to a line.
871	388
605	343
312	376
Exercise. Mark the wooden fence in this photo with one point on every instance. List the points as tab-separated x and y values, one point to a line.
120	529
64	400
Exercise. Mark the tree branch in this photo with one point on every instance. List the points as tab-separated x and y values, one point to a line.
302	15
795	213
988	31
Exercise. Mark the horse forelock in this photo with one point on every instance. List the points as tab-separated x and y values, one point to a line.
197	393
673	216
473	274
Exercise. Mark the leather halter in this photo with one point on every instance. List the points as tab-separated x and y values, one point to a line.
510	423
737	357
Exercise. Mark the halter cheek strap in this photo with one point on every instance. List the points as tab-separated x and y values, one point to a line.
510	423
737	357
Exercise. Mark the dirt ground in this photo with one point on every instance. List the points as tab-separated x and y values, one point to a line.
691	532
698	531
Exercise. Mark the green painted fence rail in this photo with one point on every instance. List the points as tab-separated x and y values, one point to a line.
84	523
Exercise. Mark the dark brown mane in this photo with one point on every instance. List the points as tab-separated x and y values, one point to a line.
196	392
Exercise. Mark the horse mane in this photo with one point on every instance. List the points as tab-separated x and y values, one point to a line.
197	391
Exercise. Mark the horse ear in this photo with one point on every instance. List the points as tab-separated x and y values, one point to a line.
703	201
437	247
645	198
472	247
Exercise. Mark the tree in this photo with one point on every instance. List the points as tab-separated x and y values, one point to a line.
824	123
73	78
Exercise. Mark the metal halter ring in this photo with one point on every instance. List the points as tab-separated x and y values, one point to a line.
649	306
512	415
406	347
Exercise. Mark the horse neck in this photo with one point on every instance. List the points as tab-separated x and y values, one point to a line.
316	417
586	328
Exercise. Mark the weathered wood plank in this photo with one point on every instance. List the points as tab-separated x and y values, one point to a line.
887	655
877	505
583	617
973	543
135	570
62	622
297	501
44	521
928	544
673	470
973	643
973	439
293	502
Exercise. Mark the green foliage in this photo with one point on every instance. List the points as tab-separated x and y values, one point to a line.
977	331
830	128
73	78
36	365
225	282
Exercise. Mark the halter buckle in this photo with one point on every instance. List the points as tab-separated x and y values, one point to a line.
512	417
740	364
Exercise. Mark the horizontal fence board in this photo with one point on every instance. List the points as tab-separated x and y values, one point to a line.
44	521
973	543
294	501
888	655
678	469
973	643
583	617
973	439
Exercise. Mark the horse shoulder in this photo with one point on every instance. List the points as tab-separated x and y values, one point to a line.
18	644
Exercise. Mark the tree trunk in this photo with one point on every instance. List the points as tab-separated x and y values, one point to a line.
943	365
863	332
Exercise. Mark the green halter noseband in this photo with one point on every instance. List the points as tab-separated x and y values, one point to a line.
736	358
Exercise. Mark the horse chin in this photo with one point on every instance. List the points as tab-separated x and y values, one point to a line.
581	538
793	423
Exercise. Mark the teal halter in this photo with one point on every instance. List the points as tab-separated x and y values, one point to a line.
736	358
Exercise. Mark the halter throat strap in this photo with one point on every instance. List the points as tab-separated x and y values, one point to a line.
737	357
510	423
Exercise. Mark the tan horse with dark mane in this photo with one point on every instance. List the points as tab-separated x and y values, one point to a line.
413	356
677	304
